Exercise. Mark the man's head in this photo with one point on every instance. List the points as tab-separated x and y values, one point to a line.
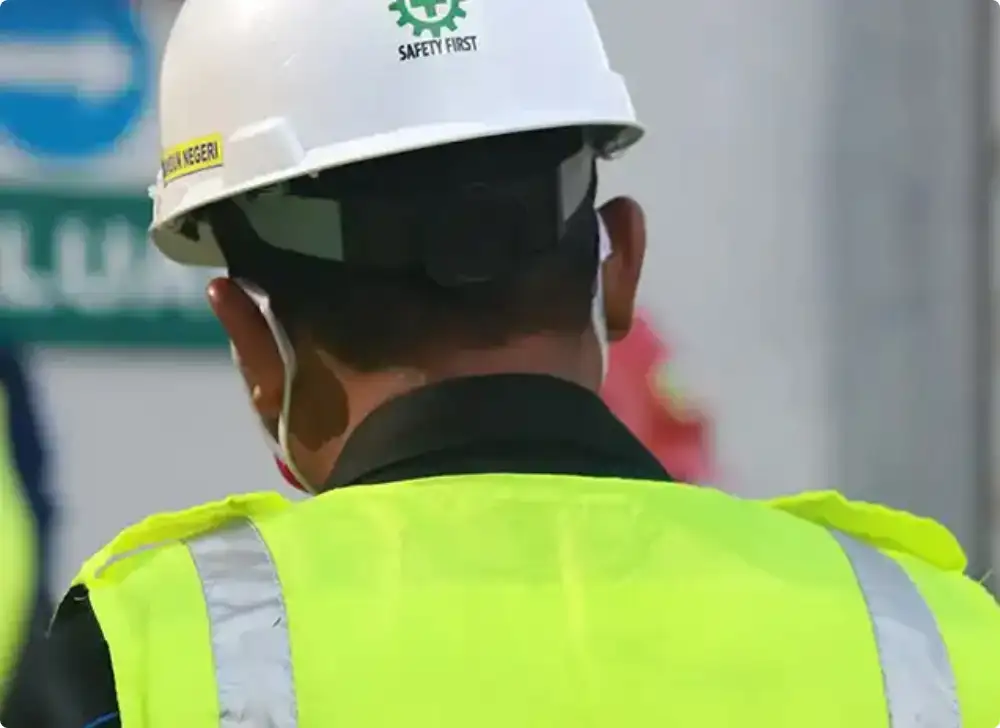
406	192
494	283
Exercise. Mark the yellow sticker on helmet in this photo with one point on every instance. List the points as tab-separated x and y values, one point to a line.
191	157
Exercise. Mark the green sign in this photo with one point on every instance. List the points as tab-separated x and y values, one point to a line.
78	270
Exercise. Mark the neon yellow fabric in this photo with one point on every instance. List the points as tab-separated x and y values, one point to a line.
17	556
548	601
145	592
966	612
878	525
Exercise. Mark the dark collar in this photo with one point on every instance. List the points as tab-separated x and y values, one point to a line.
514	423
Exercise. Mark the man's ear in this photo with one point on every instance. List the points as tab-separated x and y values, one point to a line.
252	341
626	225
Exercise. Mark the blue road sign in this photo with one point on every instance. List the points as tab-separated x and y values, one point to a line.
75	75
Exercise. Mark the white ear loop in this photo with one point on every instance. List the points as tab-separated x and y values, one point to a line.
287	353
598	317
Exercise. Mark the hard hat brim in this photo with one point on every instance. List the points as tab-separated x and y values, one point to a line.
612	136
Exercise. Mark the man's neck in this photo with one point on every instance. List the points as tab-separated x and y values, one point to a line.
543	354
554	356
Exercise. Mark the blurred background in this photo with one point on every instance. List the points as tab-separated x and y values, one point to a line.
819	179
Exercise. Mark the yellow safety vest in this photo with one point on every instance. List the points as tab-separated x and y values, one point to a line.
544	601
17	557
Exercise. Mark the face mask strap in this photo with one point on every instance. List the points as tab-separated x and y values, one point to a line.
287	353
598	318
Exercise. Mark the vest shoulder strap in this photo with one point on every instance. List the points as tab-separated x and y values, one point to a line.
879	526
163	529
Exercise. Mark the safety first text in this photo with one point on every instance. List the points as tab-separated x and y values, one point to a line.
437	47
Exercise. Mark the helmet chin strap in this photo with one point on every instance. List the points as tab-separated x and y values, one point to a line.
280	446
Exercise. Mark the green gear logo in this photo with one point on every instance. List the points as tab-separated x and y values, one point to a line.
435	19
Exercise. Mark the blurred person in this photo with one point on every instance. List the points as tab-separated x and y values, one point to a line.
640	389
30	451
420	295
18	557
31	671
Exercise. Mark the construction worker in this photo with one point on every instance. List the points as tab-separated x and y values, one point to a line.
420	293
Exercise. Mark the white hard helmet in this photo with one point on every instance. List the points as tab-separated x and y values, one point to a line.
256	93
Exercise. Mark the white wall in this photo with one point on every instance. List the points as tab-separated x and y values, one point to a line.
733	94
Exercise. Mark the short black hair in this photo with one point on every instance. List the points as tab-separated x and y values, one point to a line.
490	195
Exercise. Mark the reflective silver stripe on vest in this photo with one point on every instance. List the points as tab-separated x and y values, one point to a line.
250	643
919	682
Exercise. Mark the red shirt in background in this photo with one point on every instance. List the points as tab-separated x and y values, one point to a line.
639	390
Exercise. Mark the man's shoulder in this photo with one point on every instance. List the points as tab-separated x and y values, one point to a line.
927	550
173	527
887	529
